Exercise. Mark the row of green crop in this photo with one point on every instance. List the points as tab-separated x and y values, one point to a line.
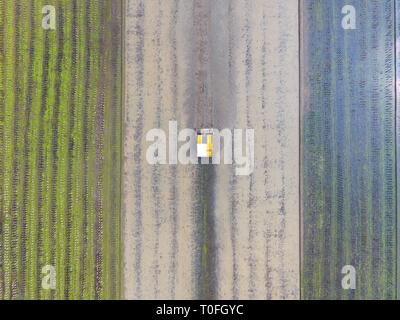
77	165
46	191
36	77
2	105
107	166
90	183
116	191
8	148
62	151
24	34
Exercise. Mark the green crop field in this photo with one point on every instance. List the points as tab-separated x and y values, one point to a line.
60	142
349	158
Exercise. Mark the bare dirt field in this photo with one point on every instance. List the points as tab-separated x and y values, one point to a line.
201	231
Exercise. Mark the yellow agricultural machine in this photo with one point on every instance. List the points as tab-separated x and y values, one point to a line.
204	143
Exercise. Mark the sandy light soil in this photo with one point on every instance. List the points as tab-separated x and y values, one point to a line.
200	231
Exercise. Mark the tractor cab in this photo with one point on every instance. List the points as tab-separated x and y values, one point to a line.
204	143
